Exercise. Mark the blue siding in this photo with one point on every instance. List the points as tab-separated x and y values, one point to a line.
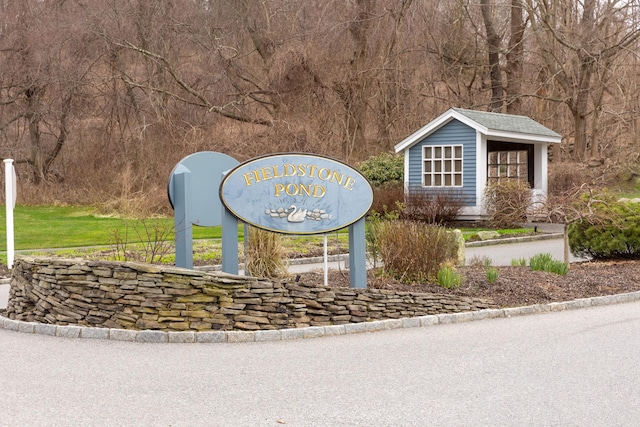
452	133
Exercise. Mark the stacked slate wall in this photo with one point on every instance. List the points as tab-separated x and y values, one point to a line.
144	296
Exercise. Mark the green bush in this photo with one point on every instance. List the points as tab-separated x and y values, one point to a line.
412	251
383	169
507	202
544	262
612	231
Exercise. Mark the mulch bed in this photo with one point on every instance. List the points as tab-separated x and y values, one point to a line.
516	286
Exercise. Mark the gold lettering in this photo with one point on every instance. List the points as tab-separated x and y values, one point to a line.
266	174
305	189
255	173
337	176
313	168
275	172
247	178
326	172
318	191
289	170
301	171
291	189
349	183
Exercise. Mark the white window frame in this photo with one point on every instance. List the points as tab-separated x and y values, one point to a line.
442	166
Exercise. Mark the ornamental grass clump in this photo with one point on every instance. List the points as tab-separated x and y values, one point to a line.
412	251
491	274
265	254
448	277
544	262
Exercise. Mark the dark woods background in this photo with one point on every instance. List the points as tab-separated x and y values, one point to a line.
99	99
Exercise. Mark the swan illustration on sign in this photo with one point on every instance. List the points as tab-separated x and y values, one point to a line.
296	214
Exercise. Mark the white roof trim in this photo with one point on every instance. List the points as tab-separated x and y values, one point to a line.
451	114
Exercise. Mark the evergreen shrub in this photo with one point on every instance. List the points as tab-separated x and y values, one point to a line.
613	231
383	169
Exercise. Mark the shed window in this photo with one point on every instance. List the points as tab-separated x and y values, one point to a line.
508	165
442	166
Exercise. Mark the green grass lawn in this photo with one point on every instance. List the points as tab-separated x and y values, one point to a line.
41	227
38	227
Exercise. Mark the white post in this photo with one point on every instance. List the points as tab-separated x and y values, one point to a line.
326	262
10	203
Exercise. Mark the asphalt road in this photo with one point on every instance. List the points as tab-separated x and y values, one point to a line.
571	368
502	254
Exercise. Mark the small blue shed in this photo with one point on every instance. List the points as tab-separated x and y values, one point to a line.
462	151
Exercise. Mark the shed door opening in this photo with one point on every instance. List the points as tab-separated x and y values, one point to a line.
508	160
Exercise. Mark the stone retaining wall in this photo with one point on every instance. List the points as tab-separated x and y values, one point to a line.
144	296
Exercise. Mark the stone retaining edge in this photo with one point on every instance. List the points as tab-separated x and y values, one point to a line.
153	336
507	240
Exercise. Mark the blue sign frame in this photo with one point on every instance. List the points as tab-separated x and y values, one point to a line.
295	193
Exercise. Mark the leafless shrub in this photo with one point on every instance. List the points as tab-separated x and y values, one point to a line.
153	241
387	197
507	202
565	178
414	251
433	208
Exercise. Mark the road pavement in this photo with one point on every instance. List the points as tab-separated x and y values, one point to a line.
570	368
503	254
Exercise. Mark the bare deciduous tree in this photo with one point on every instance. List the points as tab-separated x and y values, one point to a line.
578	41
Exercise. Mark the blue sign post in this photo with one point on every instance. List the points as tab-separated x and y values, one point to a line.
287	193
192	191
298	194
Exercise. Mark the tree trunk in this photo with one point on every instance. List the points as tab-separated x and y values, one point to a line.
493	47
515	53
565	239
33	117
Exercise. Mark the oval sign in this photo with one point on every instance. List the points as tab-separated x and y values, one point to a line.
296	193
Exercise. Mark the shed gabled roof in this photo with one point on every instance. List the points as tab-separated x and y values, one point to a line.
495	125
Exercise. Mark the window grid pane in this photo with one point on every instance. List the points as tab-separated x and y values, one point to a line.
442	166
507	165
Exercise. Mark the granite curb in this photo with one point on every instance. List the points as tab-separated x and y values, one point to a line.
153	336
507	240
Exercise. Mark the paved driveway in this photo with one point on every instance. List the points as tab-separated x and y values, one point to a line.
571	368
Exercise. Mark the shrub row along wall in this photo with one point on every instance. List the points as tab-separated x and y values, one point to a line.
144	296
